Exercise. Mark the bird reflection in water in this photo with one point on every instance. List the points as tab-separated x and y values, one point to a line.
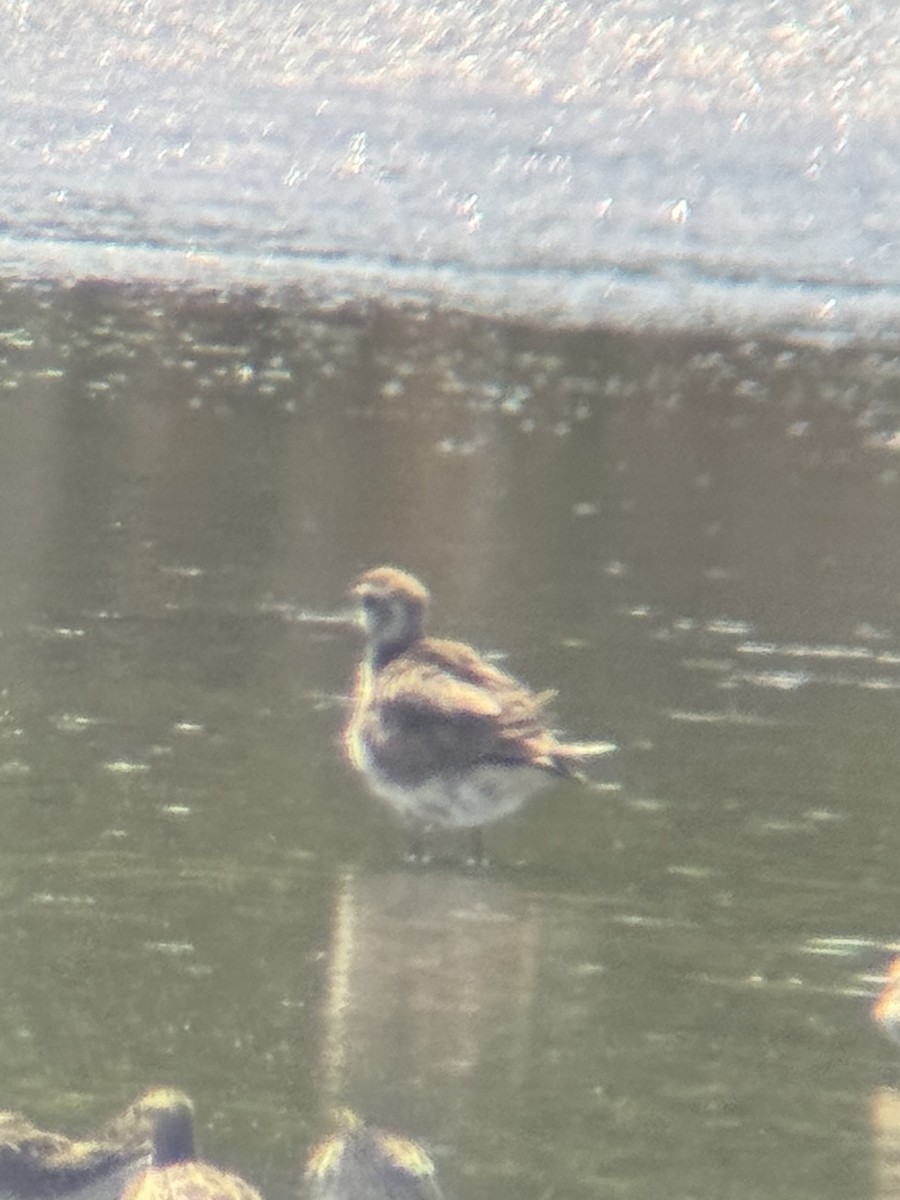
431	979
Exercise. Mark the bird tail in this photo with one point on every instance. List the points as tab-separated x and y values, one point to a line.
564	756
587	749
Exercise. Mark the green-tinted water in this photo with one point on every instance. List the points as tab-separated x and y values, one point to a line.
660	988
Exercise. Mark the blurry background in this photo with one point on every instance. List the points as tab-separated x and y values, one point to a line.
588	318
724	163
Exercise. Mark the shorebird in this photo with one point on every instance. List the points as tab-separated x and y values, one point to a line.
38	1163
360	1162
447	738
175	1172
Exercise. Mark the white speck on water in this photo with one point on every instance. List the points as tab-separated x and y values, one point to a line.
73	722
871	632
182	572
782	681
14	769
728	626
838	947
779	825
692	872
719	717
65	633
16	339
189	727
719	665
802	650
750	389
645	921
640	610
827	311
587	969
648	804
172	949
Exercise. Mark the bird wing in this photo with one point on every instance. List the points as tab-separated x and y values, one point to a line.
444	708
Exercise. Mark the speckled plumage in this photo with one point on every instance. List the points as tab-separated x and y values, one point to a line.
360	1162
38	1163
448	739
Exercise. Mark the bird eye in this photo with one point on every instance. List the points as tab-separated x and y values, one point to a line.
368	601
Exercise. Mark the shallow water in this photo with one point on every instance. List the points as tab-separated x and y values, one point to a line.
659	985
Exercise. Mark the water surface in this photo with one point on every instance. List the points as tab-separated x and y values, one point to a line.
660	985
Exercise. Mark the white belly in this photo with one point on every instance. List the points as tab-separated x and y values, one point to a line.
481	795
